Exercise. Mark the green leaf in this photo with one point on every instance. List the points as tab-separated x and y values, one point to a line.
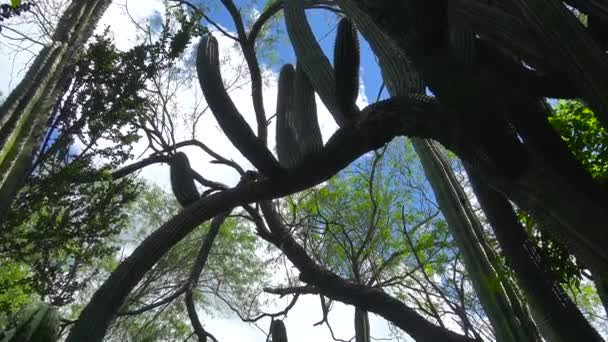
15	3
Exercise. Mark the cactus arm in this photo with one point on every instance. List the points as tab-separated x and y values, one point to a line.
346	68
248	48
312	58
287	146
304	122
182	181
226	113
573	49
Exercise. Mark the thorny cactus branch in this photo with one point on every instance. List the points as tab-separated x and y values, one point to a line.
346	67
226	113
287	146
572	48
304	122
248	48
311	57
278	331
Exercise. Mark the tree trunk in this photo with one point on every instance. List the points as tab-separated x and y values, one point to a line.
361	326
25	113
557	316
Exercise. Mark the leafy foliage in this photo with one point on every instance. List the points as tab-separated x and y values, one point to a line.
588	142
67	216
15	8
584	135
233	274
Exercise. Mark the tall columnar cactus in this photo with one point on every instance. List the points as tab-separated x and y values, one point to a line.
182	181
311	57
25	113
346	68
503	311
305	122
298	133
227	115
278	331
287	146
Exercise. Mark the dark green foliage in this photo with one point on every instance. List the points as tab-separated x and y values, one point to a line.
588	141
287	146
69	211
182	181
346	68
278	331
57	228
37	322
584	135
15	9
305	123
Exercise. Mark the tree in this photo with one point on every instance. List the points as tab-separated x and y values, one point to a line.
373	225
156	308
25	113
499	129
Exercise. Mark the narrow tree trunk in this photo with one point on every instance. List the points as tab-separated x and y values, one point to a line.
361	326
25	113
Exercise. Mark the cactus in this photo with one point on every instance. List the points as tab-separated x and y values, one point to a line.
182	181
313	60
278	331
226	113
346	68
287	146
298	133
304	122
37	322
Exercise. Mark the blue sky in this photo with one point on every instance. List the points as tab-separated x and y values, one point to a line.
323	24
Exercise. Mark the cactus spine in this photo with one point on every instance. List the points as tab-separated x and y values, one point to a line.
346	68
182	181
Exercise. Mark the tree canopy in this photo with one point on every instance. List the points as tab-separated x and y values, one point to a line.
466	202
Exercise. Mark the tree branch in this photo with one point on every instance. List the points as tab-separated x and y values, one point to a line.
364	297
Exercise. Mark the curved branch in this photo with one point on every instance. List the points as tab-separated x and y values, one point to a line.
129	169
379	124
363	297
197	269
